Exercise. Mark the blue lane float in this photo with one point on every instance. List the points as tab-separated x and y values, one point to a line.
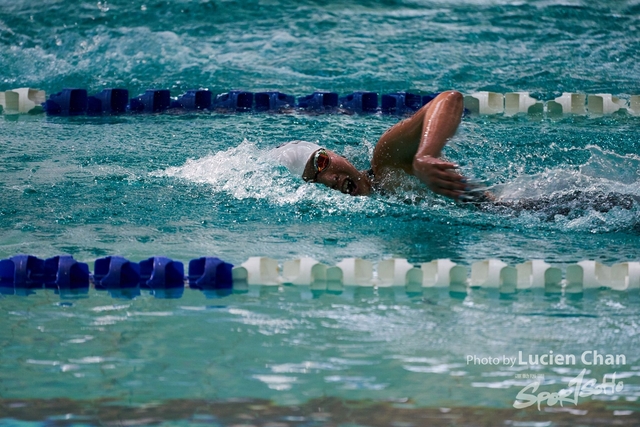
163	276
116	272
235	100
193	100
210	274
429	97
360	102
152	101
273	101
68	102
64	273
21	271
109	101
319	101
401	102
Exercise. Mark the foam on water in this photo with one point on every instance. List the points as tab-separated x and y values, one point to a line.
246	172
604	171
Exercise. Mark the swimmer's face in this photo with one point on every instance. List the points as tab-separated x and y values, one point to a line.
339	175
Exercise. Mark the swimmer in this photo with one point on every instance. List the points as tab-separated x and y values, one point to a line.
412	146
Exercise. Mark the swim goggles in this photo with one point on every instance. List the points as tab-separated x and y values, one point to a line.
321	161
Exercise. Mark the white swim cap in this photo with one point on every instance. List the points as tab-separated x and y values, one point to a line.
294	155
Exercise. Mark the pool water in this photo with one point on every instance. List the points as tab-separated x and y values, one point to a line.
186	185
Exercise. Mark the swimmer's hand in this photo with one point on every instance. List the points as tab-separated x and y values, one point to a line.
440	176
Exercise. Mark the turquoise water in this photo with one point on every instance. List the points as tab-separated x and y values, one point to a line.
189	185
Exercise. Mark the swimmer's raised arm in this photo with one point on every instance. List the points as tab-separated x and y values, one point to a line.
415	145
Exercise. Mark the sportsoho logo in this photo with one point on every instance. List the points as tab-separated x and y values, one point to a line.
576	387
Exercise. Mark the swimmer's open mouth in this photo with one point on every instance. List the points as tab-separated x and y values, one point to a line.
349	187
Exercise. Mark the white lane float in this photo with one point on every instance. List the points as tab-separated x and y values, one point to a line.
356	272
494	276
22	100
444	274
567	103
522	103
484	103
605	103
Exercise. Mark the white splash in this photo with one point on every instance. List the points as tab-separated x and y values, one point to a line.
246	172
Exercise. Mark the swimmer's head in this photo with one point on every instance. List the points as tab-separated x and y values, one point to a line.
334	171
294	155
316	164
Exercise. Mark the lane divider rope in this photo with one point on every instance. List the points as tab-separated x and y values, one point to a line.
74	101
165	278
